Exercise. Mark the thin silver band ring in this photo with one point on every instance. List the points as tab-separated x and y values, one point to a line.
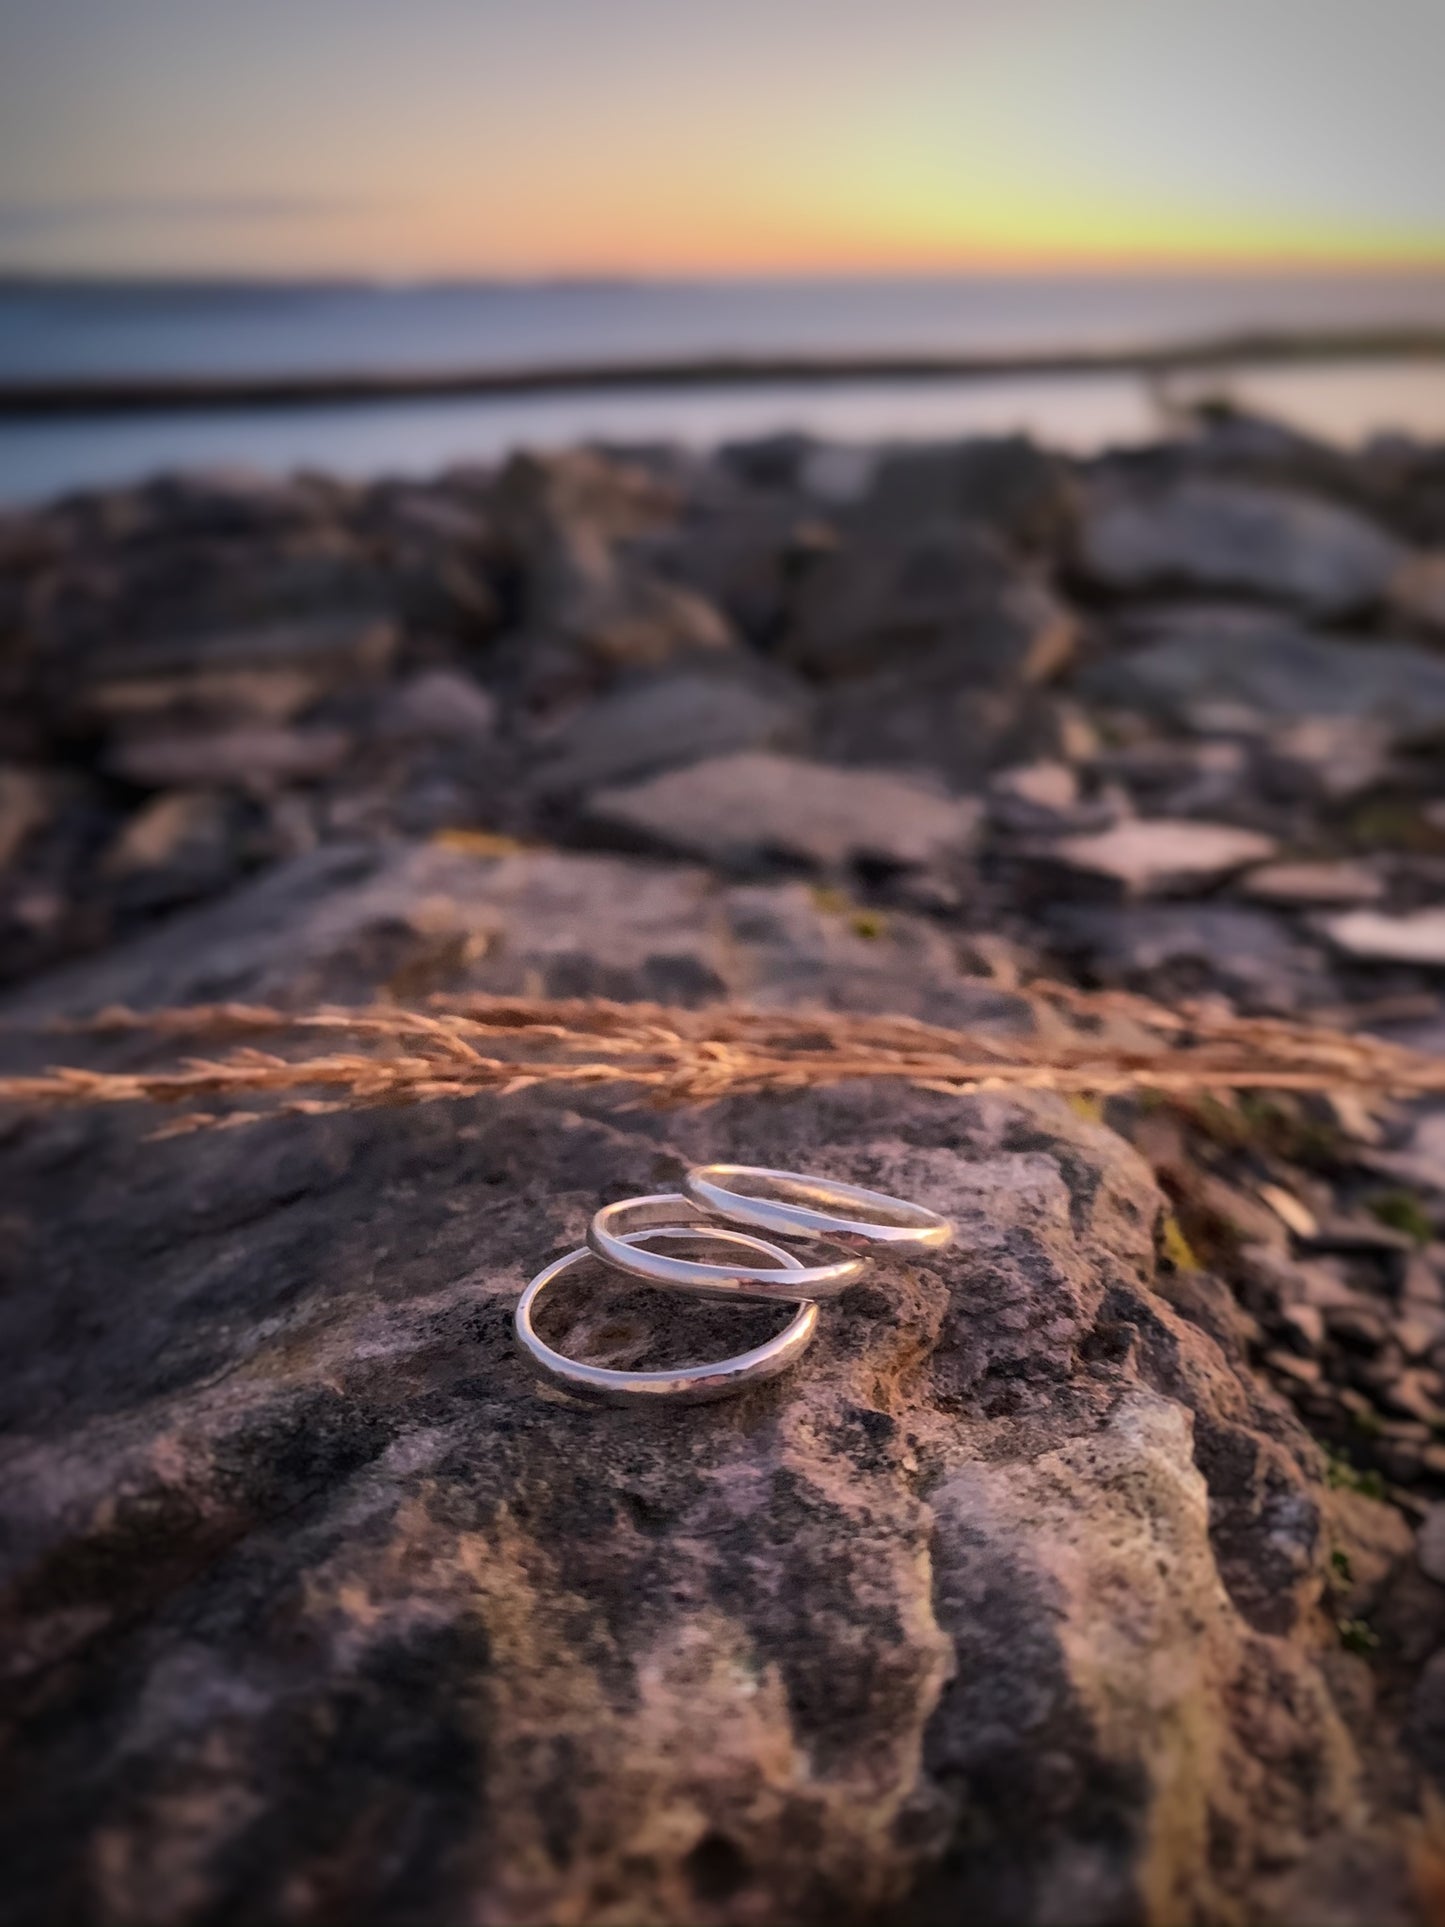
682	1384
902	1226
613	1231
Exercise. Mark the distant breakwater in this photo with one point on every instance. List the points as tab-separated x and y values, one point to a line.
147	395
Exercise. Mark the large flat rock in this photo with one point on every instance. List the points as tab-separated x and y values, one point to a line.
667	720
1224	536
752	810
898	590
1001	1607
1197	662
1143	858
340	923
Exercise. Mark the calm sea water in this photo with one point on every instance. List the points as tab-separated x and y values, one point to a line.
55	331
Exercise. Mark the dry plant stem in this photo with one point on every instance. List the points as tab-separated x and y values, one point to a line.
665	1055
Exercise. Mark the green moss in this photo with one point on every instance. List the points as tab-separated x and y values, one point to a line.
1225	1123
1402	1211
871	924
833	902
1340	1566
1357	1636
1284	1125
1083	1105
1342	1476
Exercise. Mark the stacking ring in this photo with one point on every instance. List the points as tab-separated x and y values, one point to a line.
683	1384
614	1236
724	1190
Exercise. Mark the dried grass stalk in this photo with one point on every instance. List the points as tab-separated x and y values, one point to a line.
1097	1043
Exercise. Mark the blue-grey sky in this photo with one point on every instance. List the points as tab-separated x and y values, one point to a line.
545	136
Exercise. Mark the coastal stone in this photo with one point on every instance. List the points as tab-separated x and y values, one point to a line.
1175	950
540	499
331	649
172	827
1417	594
1167	777
345	1580
919	718
436	517
231	498
1425	1147
1327	758
1276	1280
1375	936
654	724
1292	1212
1416	1394
25	805
1419	1334
1005	483
1305	1326
339	921
1042	798
1424	1283
242	756
1223	537
1272	671
1050	787
1158	857
206	697
634	620
560	519
742	554
751	809
835	475
946	591
1290	1366
441	704
1425	1725
1314	883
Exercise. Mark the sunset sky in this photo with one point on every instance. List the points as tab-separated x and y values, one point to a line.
523	137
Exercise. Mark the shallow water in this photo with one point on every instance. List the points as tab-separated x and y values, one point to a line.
60	331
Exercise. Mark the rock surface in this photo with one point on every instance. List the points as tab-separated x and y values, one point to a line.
1418	593
1314	883
1223	536
656	724
750	809
1072	1579
1267	670
1415	938
941	590
1147	858
326	1610
342	923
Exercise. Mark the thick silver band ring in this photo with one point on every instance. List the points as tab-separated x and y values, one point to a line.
613	1235
796	1213
682	1384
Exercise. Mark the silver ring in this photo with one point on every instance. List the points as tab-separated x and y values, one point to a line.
903	1226
622	1249
683	1384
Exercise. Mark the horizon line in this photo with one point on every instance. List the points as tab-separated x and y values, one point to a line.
1247	267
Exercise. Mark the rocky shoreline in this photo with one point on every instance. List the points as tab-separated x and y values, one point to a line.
313	1611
